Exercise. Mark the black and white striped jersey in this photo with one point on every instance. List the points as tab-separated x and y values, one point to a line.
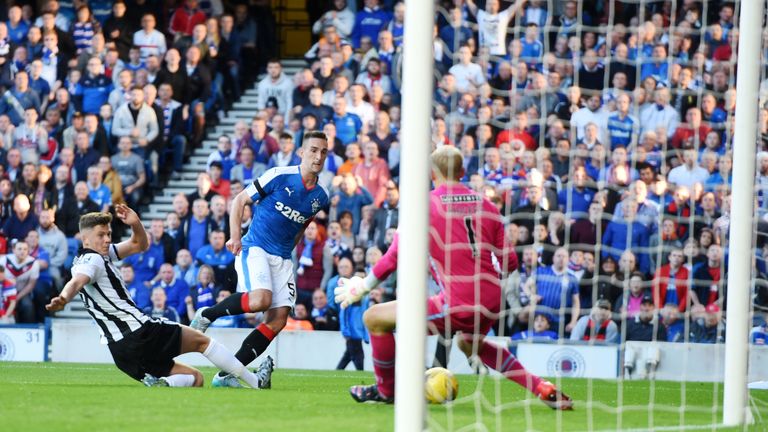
106	297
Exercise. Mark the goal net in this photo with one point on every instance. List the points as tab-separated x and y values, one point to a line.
603	132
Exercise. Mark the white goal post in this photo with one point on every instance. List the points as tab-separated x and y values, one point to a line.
414	215
735	409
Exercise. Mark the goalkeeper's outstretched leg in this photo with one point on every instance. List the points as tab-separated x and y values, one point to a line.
502	360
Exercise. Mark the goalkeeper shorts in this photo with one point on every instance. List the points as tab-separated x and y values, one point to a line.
441	320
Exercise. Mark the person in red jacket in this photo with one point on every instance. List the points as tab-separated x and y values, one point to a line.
671	283
309	269
692	133
518	132
185	18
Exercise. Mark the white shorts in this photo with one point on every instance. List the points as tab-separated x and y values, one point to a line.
256	269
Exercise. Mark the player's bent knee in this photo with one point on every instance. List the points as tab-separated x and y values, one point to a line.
259	300
199	378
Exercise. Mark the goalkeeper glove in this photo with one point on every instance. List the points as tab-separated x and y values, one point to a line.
350	291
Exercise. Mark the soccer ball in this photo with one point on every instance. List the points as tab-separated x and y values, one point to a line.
440	385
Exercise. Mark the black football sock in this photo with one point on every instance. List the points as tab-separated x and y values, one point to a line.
254	344
232	305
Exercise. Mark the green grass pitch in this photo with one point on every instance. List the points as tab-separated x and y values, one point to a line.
79	397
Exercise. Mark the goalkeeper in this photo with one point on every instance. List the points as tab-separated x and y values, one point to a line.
466	232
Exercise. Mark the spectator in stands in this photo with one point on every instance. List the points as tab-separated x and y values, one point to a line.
627	234
54	242
386	216
374	173
323	317
276	84
679	209
24	270
299	320
185	18
185	268
8	300
708	279
20	98
468	75
590	113
645	325
160	308
248	169
369	22
260	141
203	289
176	290
671	283
203	188
693	133
130	169
286	156
218	257
30	137
554	291
663	242
348	125
690	172
352	196
708	328
218	184
44	287
137	121
310	269
597	326
197	227
219	216
98	192
540	330
20	223
660	114
149	40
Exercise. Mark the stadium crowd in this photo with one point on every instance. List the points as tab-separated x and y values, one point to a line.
603	134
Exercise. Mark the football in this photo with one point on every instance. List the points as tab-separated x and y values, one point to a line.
440	385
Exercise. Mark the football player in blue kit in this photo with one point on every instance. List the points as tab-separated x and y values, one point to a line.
286	200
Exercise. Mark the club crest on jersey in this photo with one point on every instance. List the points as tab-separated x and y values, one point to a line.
315	205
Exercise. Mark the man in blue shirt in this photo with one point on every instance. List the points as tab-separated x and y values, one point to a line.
140	293
348	125
288	198
628	234
532	48
555	292
622	127
95	87
98	191
146	264
574	200
220	259
176	290
658	68
197	227
369	22
18	99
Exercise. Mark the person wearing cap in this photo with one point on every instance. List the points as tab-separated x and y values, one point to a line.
597	326
642	361
708	328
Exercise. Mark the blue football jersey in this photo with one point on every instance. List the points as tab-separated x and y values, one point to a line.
284	207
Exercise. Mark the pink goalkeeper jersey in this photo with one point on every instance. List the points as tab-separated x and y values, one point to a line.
466	231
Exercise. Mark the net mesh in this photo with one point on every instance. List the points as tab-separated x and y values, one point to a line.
603	132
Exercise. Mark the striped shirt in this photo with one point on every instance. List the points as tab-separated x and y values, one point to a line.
106	297
556	291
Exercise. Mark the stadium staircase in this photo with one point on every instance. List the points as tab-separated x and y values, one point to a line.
243	109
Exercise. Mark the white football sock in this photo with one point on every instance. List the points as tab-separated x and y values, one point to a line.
180	380
220	356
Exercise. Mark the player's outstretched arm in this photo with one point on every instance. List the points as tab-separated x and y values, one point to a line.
234	243
70	290
515	8
139	241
